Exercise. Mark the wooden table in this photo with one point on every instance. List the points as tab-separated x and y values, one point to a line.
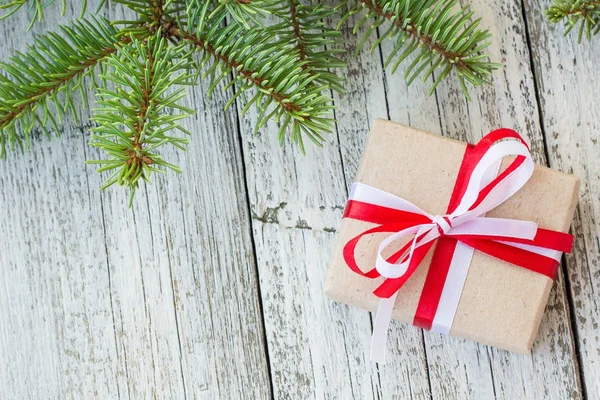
210	287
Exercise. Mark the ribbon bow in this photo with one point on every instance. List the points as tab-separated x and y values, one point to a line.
478	189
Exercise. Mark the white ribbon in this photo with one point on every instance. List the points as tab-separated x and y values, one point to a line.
462	221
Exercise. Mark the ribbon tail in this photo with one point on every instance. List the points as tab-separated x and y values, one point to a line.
519	256
381	328
443	315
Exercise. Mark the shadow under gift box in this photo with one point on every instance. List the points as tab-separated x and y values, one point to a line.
501	304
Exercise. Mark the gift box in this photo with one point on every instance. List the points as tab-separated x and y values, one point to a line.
494	294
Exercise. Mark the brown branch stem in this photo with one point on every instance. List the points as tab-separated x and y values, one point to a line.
48	90
425	40
137	156
297	31
175	31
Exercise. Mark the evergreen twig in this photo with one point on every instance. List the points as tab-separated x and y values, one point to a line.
57	63
274	55
314	41
133	121
36	8
446	37
585	13
261	60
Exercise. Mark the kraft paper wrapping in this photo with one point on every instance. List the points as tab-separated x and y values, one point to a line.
501	304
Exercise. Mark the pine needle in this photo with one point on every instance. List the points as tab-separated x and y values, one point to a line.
443	33
30	83
585	13
276	56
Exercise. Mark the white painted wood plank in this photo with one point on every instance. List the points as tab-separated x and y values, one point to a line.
56	326
204	224
567	77
509	102
99	301
317	349
405	373
447	356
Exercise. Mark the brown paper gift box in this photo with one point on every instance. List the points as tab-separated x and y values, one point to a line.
501	304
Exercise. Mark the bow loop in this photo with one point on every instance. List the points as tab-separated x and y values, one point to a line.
482	196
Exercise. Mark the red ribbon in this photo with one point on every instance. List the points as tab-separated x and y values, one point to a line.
391	220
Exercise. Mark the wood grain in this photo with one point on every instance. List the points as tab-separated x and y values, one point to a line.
508	102
566	76
405	374
99	301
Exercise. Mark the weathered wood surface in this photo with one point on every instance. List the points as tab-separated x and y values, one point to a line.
98	301
211	286
567	83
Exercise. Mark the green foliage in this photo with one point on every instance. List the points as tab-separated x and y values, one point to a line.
36	8
134	119
442	36
247	12
151	15
278	56
37	87
287	80
585	13
304	27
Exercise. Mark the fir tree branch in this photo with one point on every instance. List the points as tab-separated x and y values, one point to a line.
36	7
260	59
57	63
446	38
232	63
297	30
278	51
572	12
133	119
291	24
311	37
151	15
